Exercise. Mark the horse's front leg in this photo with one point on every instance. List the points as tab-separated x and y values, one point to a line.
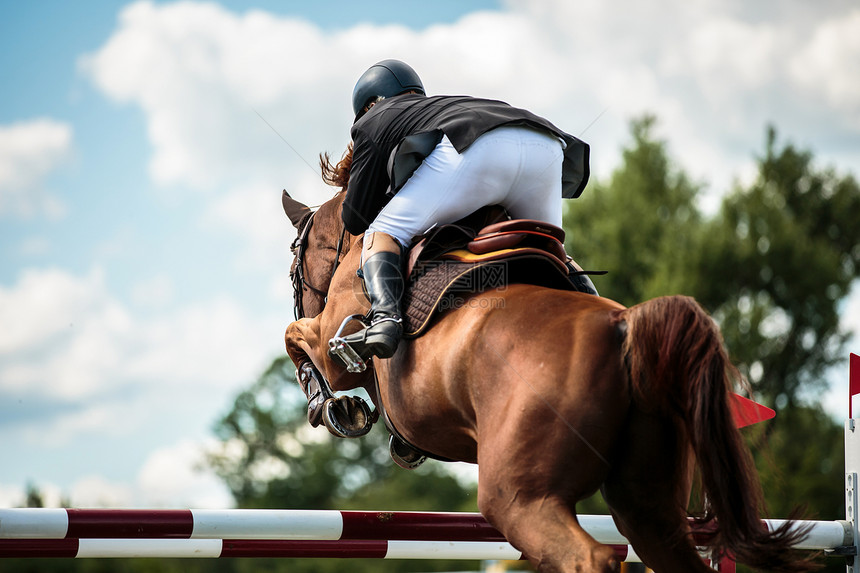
302	340
305	342
319	377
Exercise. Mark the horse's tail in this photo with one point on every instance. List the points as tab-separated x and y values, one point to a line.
678	366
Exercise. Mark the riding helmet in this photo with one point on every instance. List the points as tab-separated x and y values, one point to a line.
387	78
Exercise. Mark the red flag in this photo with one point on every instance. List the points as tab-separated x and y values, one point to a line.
746	412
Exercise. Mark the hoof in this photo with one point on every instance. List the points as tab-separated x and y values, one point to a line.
347	416
403	455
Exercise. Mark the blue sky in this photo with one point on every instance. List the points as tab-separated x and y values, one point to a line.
143	253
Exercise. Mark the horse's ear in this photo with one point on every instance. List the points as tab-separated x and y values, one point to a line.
295	210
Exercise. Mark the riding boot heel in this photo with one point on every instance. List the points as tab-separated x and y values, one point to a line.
383	279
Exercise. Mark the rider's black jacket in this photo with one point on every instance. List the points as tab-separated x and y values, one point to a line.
392	139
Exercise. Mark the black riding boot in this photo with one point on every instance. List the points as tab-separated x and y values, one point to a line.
383	279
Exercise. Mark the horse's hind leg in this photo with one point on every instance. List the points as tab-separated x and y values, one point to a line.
532	500
546	530
648	491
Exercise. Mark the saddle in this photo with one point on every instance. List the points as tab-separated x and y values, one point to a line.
483	252
446	268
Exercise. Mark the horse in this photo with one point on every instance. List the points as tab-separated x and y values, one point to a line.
555	395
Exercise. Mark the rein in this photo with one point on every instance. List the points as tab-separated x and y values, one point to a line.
299	246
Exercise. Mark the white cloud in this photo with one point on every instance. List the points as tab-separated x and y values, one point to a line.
96	491
34	246
175	476
827	65
29	152
715	73
65	338
12	496
47	303
210	346
62	334
853	310
202	74
154	293
255	213
835	401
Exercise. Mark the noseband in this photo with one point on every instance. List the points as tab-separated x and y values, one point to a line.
297	274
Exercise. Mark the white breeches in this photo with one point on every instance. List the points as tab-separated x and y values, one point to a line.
516	167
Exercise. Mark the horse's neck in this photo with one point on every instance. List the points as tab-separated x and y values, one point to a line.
345	293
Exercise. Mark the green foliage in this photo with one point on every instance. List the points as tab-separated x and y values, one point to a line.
34	497
271	458
788	468
640	226
771	266
774	265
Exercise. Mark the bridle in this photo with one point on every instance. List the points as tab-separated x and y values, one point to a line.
297	274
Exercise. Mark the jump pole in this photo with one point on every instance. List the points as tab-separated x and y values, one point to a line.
265	533
38	532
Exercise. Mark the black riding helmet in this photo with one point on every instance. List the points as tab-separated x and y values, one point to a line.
387	78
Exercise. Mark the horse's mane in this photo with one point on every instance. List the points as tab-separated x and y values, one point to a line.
336	175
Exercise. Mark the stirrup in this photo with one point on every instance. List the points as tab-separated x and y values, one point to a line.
340	349
403	454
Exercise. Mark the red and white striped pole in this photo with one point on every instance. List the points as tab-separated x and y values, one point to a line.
293	533
265	533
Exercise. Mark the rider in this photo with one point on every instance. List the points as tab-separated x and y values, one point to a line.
419	161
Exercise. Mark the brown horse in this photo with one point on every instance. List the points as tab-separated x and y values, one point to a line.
555	395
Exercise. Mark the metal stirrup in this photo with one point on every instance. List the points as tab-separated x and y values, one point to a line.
339	347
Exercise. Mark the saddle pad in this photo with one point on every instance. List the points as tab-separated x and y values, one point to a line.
437	286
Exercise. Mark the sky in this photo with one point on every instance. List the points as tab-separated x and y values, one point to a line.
143	147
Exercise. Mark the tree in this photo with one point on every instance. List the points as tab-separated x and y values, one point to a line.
34	497
774	266
771	266
271	458
641	225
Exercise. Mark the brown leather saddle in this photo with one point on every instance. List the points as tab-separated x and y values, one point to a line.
486	251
